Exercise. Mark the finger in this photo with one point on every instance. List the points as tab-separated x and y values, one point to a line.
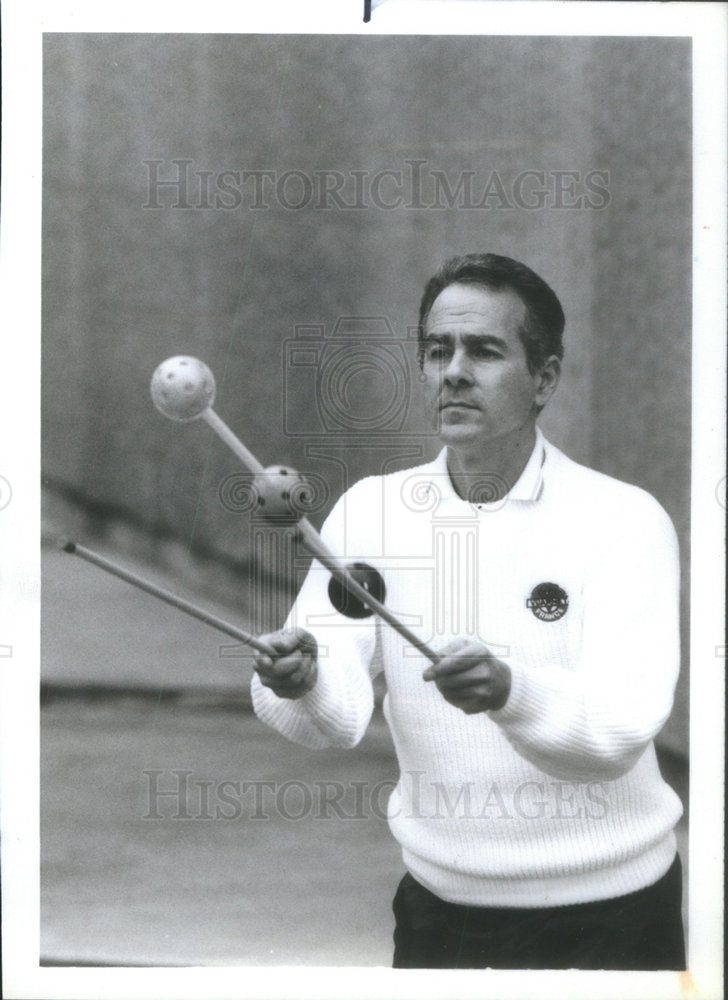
305	641
289	688
262	662
270	639
284	641
275	667
290	680
462	683
301	671
453	646
464	660
289	640
286	666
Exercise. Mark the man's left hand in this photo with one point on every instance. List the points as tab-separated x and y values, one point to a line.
470	677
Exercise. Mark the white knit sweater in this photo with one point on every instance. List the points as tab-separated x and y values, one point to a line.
556	798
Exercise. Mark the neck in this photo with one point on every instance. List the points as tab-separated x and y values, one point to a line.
495	467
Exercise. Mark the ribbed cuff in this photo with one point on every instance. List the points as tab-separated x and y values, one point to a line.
320	718
520	704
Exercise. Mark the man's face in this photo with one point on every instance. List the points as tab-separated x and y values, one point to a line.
477	382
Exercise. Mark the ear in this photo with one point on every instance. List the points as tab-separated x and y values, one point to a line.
547	379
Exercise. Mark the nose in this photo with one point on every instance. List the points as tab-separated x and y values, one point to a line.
457	371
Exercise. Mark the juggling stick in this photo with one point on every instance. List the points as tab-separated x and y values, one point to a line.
165	595
183	389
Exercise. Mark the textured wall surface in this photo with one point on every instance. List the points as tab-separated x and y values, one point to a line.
134	273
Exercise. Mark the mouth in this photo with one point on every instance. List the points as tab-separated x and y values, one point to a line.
457	405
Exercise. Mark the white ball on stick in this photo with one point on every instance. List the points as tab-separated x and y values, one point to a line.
183	388
282	494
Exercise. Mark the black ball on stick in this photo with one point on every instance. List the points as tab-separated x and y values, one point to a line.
347	603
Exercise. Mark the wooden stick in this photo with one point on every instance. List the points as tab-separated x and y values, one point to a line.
165	595
231	440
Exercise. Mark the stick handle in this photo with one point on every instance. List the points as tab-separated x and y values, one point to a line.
165	595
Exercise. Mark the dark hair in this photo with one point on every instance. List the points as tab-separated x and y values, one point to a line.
540	333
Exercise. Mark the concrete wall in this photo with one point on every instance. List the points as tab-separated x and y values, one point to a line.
125	286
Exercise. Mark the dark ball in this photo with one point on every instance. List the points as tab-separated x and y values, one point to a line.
349	604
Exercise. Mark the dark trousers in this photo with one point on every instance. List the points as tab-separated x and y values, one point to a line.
640	931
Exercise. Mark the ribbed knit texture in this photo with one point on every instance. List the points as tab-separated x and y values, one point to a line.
557	797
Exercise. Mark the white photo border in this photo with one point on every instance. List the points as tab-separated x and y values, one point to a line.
24	23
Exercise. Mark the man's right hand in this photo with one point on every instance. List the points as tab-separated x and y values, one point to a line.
294	671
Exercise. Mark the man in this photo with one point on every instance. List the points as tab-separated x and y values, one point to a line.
535	827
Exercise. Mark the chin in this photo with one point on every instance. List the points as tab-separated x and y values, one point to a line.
459	434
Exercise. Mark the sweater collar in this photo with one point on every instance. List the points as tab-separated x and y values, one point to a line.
527	487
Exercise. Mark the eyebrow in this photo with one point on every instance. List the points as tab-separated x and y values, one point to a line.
469	339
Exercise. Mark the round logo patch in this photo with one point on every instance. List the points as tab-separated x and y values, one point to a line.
548	601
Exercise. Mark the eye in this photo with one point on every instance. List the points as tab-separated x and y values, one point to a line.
435	351
489	353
